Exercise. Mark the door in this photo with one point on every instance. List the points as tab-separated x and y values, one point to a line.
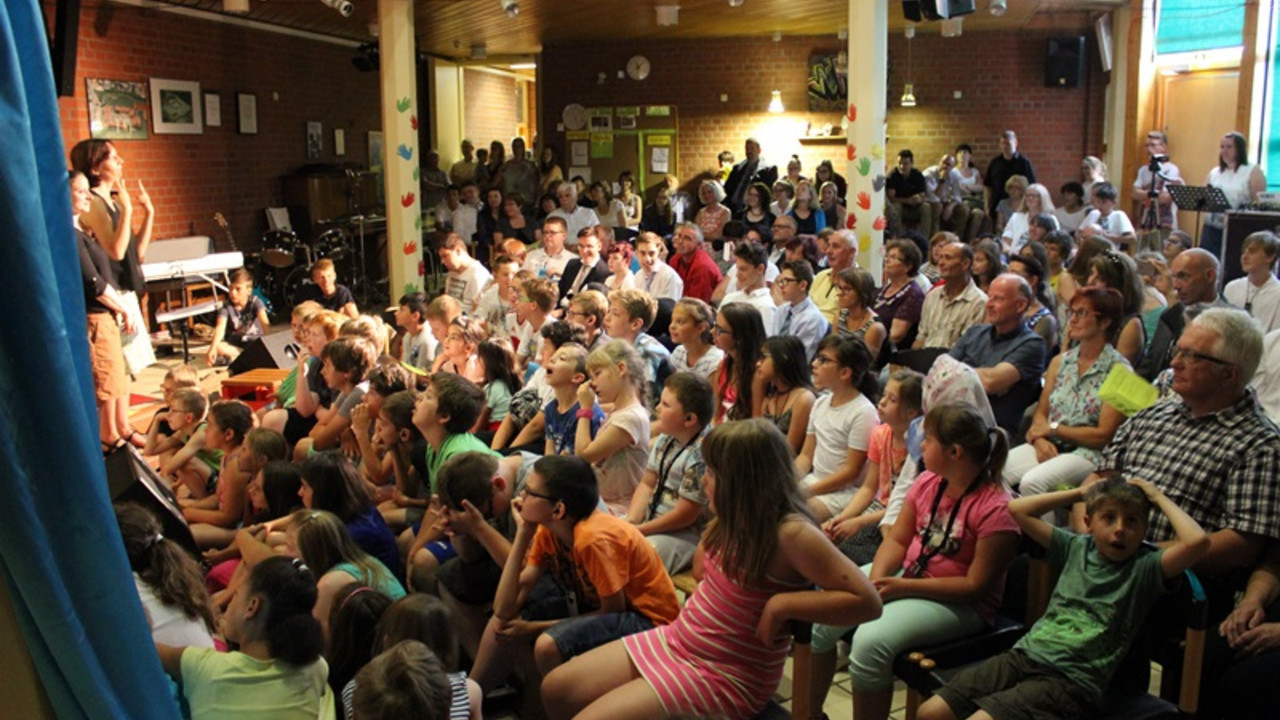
1194	133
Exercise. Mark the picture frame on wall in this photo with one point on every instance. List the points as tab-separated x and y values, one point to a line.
212	109
246	113
315	140
176	107
339	142
117	109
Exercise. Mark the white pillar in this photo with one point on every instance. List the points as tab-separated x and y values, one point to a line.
401	154
866	113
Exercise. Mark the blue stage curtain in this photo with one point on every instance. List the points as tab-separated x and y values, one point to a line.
60	550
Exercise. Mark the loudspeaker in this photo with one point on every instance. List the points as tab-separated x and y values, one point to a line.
62	46
911	10
131	479
1064	62
269	351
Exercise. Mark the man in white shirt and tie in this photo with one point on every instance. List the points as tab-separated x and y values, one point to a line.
798	315
656	277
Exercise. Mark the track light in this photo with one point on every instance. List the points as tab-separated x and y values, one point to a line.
344	7
998	7
510	7
736	3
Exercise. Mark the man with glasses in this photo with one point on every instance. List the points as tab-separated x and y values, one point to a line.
1212	452
550	260
842	250
1195	282
797	315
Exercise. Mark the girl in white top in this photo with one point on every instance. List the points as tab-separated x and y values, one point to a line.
690	329
619	451
169	582
619	261
1239	181
1092	172
1036	200
609	210
833	460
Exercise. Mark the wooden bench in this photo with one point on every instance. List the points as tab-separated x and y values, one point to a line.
259	383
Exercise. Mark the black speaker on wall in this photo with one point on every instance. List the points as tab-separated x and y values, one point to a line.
131	479
911	10
1064	62
269	351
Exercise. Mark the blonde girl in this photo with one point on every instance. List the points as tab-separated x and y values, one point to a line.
620	450
690	329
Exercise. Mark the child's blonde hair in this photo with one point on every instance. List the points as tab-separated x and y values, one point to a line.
305	309
615	353
370	328
184	375
637	304
701	314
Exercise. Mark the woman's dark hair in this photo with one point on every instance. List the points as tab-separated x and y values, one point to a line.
544	165
960	424
353	630
863	284
1118	271
995	266
571	481
87	155
164	566
1242	151
1073	188
790	362
336	485
1085	252
1066	245
853	354
288	590
499	362
1107	304
809	248
424	618
766	195
747	326
910	254
1035	269
281	480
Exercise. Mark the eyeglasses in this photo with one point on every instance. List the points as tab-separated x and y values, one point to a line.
786	281
1193	355
1081	313
780	226
526	492
824	360
575	313
721	330
843	289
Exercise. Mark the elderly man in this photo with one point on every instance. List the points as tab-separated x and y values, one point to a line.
749	170
956	304
1212	451
1008	356
695	267
1004	166
784	229
842	250
574	215
1195	281
550	260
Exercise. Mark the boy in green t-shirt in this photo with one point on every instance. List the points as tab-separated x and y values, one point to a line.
1107	584
445	413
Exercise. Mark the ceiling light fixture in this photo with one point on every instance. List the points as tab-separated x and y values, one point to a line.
775	102
909	91
736	3
998	7
510	7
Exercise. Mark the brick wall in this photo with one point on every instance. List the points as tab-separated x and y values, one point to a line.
491	107
1001	76
190	177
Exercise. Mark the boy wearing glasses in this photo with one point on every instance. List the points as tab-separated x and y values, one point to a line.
797	314
550	260
609	580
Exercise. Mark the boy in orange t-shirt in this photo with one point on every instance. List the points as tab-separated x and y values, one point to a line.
576	578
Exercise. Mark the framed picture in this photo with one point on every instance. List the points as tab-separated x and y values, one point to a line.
213	109
339	141
246	113
117	109
176	107
315	140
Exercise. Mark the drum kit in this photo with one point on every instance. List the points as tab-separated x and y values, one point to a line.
284	263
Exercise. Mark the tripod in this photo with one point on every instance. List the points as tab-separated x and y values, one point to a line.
1150	225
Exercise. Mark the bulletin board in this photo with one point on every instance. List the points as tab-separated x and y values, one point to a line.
639	138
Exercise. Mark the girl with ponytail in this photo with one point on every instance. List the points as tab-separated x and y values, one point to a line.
168	580
941	567
278	672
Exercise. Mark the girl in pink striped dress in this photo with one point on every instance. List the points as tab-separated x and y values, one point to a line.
724	653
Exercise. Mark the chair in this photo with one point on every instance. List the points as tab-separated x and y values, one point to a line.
801	674
926	670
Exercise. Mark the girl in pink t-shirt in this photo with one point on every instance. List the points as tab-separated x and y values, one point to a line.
857	528
940	570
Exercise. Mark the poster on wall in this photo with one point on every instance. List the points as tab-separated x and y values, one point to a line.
176	107
315	140
213	109
117	109
247	113
828	83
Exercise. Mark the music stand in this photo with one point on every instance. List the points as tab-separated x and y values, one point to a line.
1207	198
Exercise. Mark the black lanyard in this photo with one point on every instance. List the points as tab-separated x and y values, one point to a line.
663	469
930	548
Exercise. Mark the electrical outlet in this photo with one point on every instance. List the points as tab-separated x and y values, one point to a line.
957	94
